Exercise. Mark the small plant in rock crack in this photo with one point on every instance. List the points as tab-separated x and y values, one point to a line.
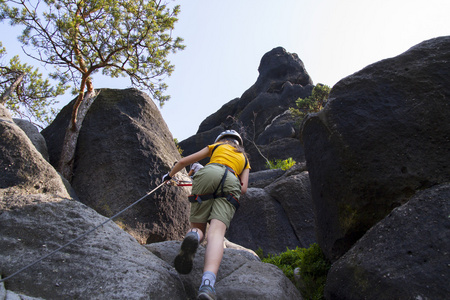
283	164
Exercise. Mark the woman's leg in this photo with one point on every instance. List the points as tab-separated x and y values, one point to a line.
184	260
214	248
213	258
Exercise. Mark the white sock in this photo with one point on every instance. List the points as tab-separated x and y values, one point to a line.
209	278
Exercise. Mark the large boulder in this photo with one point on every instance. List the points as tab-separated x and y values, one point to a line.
275	214
23	169
259	115
241	274
404	256
261	223
106	264
293	192
123	149
383	135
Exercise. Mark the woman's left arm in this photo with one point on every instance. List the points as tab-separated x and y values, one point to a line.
190	159
244	180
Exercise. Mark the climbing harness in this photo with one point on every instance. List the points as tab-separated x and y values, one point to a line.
230	197
81	236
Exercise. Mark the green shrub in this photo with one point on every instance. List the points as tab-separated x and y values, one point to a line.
286	261
313	269
313	103
281	164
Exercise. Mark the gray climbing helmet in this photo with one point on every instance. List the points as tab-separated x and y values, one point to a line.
230	133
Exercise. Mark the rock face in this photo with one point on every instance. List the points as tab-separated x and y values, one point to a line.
37	216
384	134
123	150
404	256
276	215
261	114
376	187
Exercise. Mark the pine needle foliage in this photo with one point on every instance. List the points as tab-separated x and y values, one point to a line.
25	92
313	103
130	38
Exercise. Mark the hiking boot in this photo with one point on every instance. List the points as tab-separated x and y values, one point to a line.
206	292
184	260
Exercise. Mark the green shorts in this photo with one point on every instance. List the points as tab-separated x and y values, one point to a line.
205	181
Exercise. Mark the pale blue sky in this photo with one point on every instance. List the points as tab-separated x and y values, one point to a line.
225	41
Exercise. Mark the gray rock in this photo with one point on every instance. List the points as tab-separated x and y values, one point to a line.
35	137
282	126
23	168
294	195
276	212
106	264
283	148
261	222
263	178
278	71
404	256
123	150
258	280
240	275
383	135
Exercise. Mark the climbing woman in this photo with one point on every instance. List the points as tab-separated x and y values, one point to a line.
216	189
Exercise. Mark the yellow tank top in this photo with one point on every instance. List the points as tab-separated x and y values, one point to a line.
226	154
